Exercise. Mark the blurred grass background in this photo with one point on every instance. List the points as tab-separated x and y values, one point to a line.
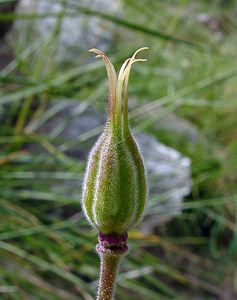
46	246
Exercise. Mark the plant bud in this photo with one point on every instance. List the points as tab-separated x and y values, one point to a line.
114	190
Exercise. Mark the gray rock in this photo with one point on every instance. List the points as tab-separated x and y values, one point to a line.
78	32
169	178
179	126
168	172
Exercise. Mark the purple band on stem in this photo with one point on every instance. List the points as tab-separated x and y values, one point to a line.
113	243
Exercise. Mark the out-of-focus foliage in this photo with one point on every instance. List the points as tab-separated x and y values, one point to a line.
46	246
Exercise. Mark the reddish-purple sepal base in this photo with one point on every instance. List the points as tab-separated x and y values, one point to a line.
113	243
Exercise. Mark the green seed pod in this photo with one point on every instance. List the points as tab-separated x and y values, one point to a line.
114	190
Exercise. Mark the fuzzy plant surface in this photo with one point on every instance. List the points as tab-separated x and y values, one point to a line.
114	190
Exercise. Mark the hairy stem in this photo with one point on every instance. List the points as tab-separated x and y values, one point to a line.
108	271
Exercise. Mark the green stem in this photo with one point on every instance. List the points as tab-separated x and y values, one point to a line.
108	271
